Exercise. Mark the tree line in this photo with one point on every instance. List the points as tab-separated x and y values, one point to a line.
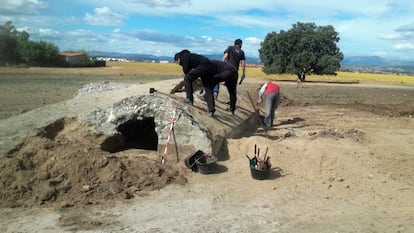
302	50
16	48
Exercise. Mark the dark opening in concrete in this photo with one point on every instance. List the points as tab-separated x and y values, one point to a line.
133	134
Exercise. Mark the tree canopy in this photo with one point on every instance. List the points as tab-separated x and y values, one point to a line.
16	48
303	49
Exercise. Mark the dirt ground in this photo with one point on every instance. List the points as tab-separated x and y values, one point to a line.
338	165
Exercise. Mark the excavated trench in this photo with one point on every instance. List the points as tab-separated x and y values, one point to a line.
109	153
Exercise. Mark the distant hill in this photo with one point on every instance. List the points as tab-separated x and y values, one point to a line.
129	56
373	61
347	61
378	65
146	57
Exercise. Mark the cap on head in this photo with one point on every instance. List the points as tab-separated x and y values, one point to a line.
179	54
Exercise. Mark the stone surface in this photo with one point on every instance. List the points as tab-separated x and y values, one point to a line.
108	105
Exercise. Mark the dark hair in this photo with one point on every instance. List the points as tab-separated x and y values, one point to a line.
179	54
238	42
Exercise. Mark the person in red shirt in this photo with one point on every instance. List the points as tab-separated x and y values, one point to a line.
272	93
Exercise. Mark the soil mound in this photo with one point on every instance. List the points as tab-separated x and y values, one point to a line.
63	166
74	159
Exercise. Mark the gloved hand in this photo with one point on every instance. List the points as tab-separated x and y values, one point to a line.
243	76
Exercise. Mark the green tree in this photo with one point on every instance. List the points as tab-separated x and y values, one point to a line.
15	48
304	49
40	53
8	44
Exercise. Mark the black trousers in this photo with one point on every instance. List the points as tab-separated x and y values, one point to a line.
230	79
203	71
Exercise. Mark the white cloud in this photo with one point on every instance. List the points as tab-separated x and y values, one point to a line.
365	27
391	36
49	33
404	46
14	7
104	16
160	3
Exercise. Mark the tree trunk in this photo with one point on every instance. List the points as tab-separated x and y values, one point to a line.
301	77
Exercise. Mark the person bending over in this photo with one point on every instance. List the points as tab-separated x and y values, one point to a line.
197	66
272	92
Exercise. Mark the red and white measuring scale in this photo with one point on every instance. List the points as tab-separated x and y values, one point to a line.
170	132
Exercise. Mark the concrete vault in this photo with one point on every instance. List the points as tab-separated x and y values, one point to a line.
143	122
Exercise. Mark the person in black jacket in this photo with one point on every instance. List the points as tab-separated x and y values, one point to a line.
227	73
197	66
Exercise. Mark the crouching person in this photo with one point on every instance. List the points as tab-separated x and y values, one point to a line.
272	93
197	66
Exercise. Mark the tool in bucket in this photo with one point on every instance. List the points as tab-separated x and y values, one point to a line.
260	168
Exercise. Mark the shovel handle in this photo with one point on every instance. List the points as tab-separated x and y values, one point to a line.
264	158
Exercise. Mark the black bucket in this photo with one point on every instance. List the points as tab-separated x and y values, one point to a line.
206	164
190	161
260	174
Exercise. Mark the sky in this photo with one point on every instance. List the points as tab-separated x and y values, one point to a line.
382	28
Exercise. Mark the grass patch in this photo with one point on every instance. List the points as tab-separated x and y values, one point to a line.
345	77
114	69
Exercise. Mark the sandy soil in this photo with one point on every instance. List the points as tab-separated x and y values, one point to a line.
336	168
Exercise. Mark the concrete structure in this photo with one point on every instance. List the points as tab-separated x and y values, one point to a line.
123	112
75	58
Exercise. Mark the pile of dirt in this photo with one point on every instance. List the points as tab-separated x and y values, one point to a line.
65	167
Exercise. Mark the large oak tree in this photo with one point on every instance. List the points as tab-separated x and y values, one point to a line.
303	49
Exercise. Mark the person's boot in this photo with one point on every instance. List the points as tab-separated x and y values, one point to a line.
189	101
211	113
231	110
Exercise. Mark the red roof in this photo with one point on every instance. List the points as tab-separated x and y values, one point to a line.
72	54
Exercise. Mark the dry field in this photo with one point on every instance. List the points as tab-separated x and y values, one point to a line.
25	89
